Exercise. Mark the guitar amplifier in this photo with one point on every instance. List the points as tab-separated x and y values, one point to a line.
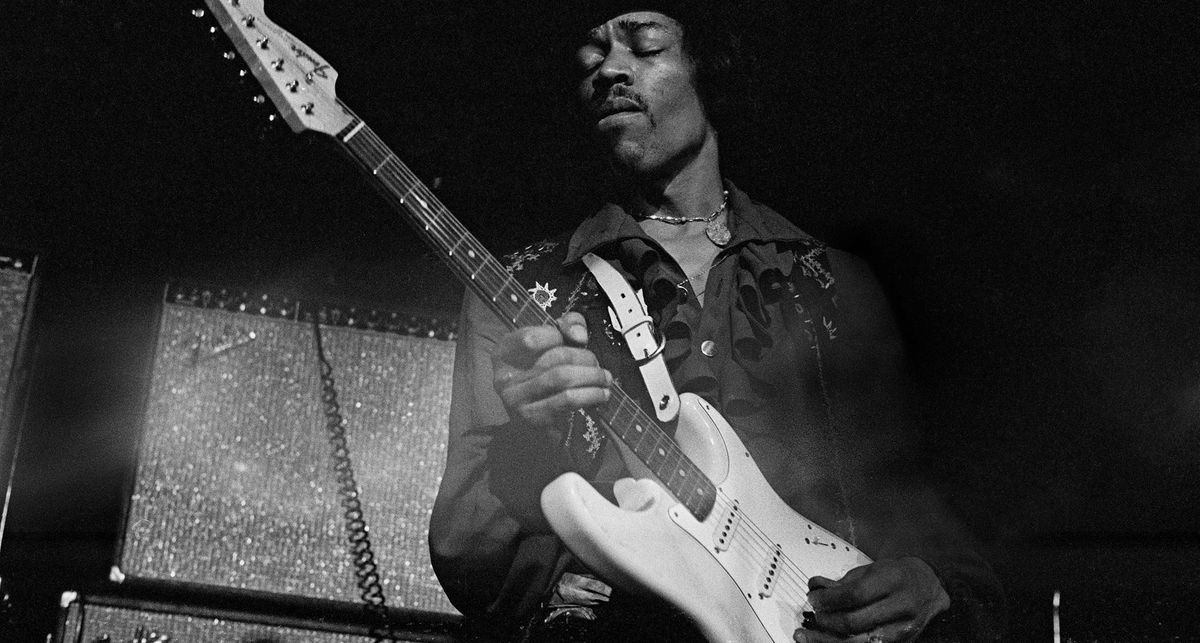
112	619
265	470
17	286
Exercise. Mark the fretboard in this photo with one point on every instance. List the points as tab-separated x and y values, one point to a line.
478	270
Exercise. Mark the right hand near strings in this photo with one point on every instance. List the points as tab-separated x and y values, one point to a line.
542	373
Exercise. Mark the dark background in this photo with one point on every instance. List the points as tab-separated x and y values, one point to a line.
1024	182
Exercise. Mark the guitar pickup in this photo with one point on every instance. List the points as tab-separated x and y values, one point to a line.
771	572
727	527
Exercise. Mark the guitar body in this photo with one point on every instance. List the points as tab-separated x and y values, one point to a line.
741	573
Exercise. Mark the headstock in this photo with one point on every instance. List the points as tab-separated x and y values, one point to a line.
299	82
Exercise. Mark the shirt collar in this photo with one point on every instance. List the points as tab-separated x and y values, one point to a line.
748	222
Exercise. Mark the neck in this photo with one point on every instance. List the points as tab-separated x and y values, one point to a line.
692	189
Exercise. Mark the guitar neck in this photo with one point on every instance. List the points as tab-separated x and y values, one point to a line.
474	266
478	270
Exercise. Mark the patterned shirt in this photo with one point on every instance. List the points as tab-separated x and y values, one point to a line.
794	345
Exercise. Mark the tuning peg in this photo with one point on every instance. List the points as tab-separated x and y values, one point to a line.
229	55
199	13
259	99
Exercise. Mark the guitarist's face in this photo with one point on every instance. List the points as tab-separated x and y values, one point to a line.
638	89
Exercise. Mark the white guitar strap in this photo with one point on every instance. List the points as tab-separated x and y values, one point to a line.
627	310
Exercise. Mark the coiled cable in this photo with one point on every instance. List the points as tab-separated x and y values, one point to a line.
366	570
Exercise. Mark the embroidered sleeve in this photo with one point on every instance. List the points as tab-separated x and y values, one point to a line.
516	261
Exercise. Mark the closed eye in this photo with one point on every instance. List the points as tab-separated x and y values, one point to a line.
589	58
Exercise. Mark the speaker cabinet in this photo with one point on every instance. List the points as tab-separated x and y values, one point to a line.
236	484
16	297
106	619
17	286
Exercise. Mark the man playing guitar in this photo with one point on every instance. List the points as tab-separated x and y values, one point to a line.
790	340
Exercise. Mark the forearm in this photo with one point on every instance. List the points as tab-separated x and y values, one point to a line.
487	505
488	500
977	605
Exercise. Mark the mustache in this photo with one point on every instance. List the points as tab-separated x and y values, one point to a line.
618	98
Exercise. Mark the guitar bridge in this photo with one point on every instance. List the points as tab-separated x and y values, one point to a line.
726	527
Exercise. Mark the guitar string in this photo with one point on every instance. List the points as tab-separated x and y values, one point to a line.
446	225
439	223
787	582
488	271
791	579
490	274
443	229
793	583
431	207
791	576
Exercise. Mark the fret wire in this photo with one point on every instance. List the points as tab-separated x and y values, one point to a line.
648	428
452	240
429	202
524	304
670	461
434	231
529	316
615	418
432	213
632	421
382	163
682	473
657	455
437	223
671	469
491	282
399	171
508	300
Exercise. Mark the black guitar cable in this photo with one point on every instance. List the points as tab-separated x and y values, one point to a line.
366	571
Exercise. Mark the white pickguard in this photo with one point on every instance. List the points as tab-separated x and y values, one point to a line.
741	574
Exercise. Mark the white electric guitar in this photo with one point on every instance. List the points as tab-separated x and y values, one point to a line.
707	533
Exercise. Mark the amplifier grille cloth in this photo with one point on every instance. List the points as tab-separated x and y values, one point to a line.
85	623
234	485
14	291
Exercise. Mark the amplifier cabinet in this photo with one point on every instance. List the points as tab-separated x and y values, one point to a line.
108	619
235	485
16	290
17	287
